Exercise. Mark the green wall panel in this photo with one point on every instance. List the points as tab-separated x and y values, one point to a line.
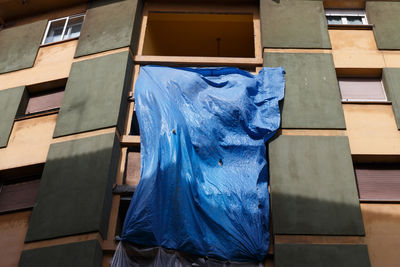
76	188
80	254
385	17
312	97
391	81
293	24
11	103
19	46
95	95
313	188
110	25
302	255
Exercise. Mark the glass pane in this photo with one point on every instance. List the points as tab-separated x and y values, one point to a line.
55	31
73	28
354	20
334	19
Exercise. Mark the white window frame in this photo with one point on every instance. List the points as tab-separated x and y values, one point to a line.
65	27
363	99
344	13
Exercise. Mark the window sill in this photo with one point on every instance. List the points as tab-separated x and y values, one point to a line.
350	27
130	140
59	42
366	102
38	114
199	61
382	201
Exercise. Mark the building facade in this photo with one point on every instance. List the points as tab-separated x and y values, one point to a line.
70	145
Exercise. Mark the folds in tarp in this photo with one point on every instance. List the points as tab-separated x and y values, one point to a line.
204	176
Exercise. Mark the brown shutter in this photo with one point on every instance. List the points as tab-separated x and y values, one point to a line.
378	181
18	195
359	89
44	101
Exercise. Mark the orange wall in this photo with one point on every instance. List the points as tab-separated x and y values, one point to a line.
357	49
52	62
13	227
371	129
29	142
382	228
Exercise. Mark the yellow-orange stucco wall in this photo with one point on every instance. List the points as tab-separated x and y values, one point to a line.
29	142
382	229
13	227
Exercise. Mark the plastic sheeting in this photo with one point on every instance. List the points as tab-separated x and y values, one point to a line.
133	256
204	175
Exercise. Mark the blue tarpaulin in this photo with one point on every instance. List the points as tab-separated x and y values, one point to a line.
204	176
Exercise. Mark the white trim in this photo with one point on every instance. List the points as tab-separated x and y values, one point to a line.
344	13
382	88
64	28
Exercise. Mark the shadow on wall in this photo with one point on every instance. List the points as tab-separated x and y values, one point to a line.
76	188
298	215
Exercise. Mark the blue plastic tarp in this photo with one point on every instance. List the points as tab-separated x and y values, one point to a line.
204	176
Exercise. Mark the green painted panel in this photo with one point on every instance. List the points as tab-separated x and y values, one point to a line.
391	81
109	25
11	104
293	24
312	97
310	255
80	254
95	95
76	188
19	46
386	20
313	188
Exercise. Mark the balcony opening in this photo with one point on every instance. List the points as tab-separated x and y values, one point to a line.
199	35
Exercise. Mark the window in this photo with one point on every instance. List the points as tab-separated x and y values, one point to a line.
18	187
44	101
63	29
362	89
345	17
378	181
201	35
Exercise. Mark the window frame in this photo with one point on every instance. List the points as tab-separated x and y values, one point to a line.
364	100
344	13
67	18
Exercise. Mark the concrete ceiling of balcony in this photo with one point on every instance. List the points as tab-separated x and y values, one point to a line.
16	9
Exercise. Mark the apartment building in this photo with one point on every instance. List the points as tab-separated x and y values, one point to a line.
70	145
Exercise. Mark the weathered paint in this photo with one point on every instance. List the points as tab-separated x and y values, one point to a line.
385	17
19	46
371	129
53	62
391	82
392	59
99	35
13	228
11	103
382	228
75	188
313	188
355	49
96	95
312	99
293	24
29	142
